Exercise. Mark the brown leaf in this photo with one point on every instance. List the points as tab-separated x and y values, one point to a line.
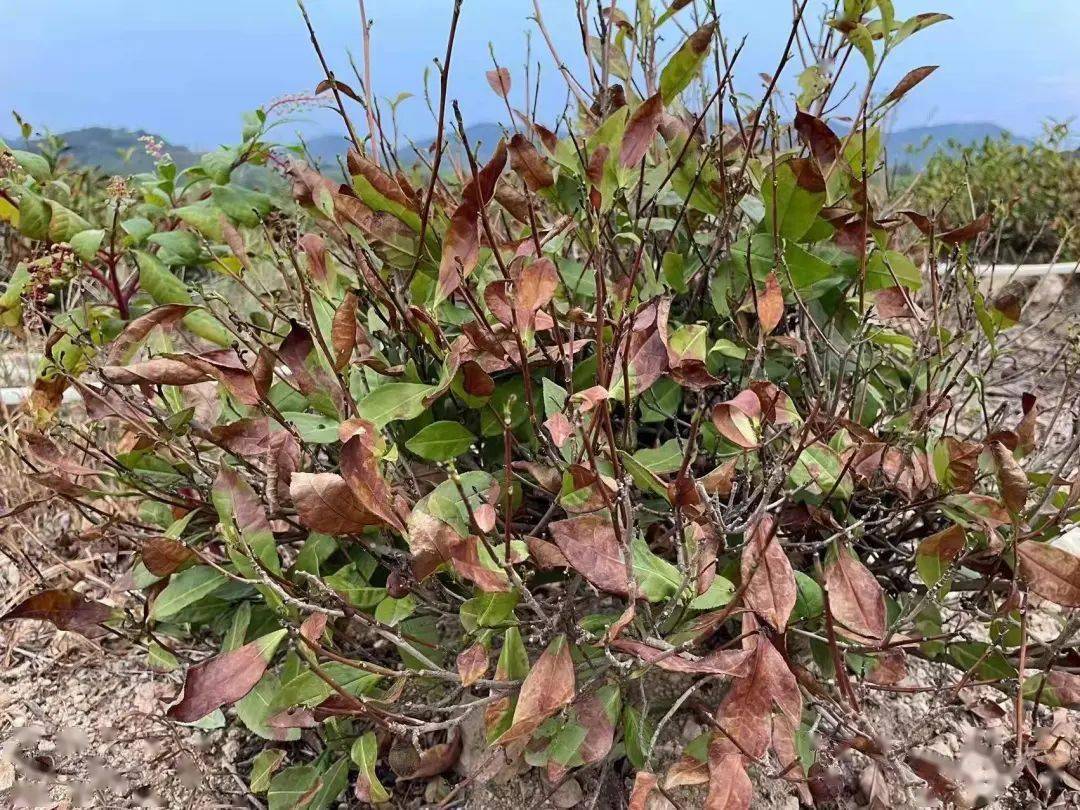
767	576
382	182
313	626
644	785
157	371
874	788
807	175
65	608
1026	430
360	469
229	370
163	555
548	687
42	450
534	287
965	233
135	332
460	250
946	545
855	596
592	549
341	87
729	784
640	130
1051	572
770	304
736	419
1066	688
756	708
343	331
895	302
465	558
1012	480
529	165
499	81
484	517
472	663
546	555
437	759
719	481
821	140
325	503
911	78
314	247
223	679
559	427
475	380
733	663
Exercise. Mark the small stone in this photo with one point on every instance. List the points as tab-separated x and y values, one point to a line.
568	795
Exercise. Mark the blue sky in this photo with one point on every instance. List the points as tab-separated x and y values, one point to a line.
187	70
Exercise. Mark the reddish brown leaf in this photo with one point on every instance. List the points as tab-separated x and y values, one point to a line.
548	687
1051	572
65	608
733	663
461	248
135	332
807	175
546	555
559	427
382	182
529	165
895	302
767	575
465	558
42	450
313	626
224	678
484	517
325	503
1026	430
640	130
855	596
644	785
158	371
736	419
1066	688
534	287
1012	480
472	663
163	555
341	87
600	729
229	370
437	759
314	247
499	81
360	469
592	549
823	143
343	331
965	233
756	708
946	545
770	304
475	380
911	78
729	784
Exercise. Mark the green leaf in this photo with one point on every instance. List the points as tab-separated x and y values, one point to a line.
565	744
993	667
817	469
447	504
263	766
256	707
719	594
488	610
393	611
218	164
160	659
667	458
553	397
186	588
685	64
165	288
314	428
334	780
308	689
441	441
288	788
796	205
64	223
903	271
394	401
204	217
365	753
33	164
348	582
809	598
86	243
34	216
238	628
660	401
177	247
656	577
243	206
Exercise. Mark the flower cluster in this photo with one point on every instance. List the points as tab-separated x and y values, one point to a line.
155	148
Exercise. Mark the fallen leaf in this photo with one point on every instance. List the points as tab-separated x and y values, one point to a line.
65	608
644	785
729	784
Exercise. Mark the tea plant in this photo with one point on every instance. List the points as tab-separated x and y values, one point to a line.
652	414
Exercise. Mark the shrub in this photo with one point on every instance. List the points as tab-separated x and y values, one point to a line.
1031	190
650	415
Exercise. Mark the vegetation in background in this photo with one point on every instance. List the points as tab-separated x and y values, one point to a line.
1032	191
656	394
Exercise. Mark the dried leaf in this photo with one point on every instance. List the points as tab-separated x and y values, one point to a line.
547	688
823	143
768	578
499	81
729	784
65	608
529	165
559	427
911	78
472	664
770	304
966	233
437	759
325	503
855	596
640	131
1051	572
164	555
344	330
360	469
737	419
733	663
592	549
644	785
224	678
1012	480
128	341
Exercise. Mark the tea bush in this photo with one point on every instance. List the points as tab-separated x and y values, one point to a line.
654	414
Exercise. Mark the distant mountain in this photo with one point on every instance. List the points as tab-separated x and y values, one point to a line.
915	146
114	151
118	151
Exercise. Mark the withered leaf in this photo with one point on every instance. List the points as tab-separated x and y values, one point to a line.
736	419
325	503
135	332
435	760
644	785
823	143
729	784
343	331
733	663
911	78
855	596
472	664
592	549
163	555
360	469
965	233
770	304
65	608
1012	480
1051	572
548	687
499	81
225	678
768	578
640	130
529	165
